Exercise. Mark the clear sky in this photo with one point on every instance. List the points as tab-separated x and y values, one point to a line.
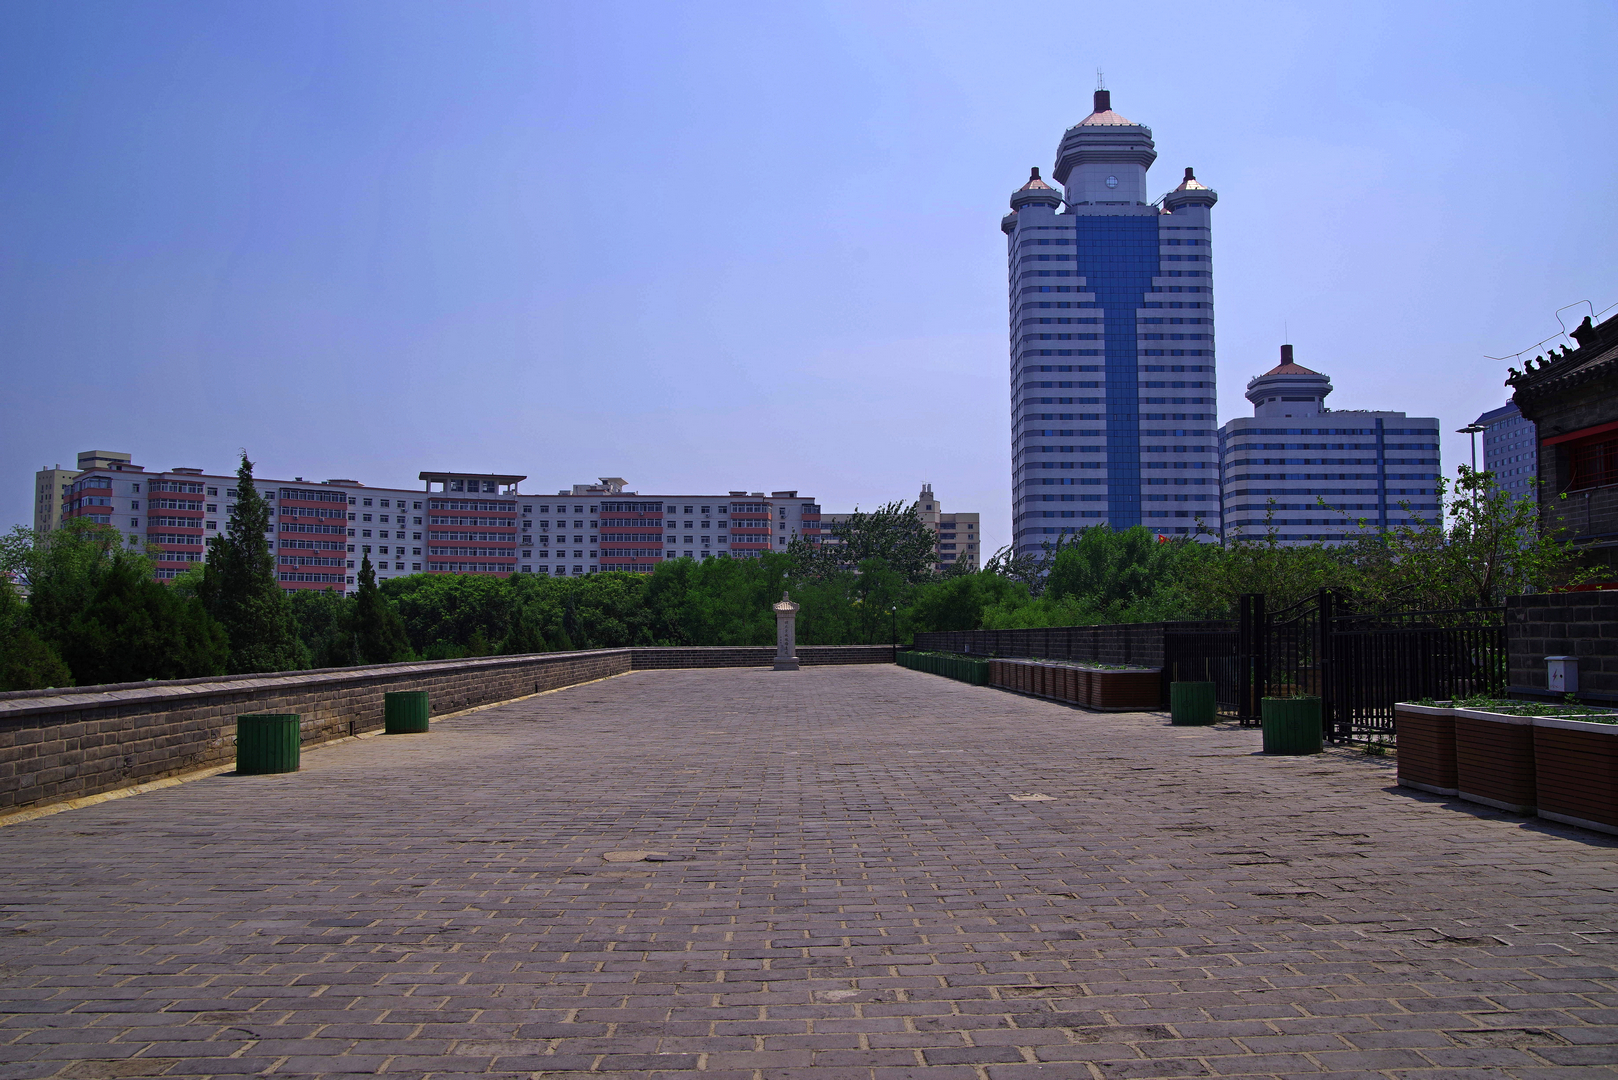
710	245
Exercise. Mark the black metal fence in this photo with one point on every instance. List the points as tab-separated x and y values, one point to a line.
1359	665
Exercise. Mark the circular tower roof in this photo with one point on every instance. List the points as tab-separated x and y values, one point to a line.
1190	193
1035	193
1289	389
1104	136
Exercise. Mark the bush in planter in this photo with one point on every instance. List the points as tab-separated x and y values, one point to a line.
1292	725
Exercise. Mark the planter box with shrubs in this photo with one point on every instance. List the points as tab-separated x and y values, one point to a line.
964	668
1092	686
1557	761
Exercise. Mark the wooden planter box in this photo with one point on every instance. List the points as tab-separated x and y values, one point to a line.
1494	760
1126	691
1426	741
1093	688
1576	772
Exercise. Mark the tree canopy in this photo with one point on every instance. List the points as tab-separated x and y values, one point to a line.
95	614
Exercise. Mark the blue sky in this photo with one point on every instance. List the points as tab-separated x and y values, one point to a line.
724	245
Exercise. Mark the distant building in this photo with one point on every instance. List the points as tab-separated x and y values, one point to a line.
598	527
51	485
1510	450
1571	397
319	531
1295	453
957	537
1112	342
458	523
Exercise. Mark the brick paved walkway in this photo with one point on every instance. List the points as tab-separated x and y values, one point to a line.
851	887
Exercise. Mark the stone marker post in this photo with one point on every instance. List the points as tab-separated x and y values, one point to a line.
786	635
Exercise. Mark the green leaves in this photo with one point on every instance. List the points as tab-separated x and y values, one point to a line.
240	589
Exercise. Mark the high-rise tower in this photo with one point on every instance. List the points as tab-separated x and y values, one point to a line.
1112	343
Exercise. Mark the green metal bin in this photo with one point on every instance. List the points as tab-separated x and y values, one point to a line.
267	743
1292	725
1192	703
404	712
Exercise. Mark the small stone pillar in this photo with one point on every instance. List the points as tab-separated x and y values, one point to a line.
786	635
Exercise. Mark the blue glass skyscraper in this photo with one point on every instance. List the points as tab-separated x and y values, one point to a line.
1112	343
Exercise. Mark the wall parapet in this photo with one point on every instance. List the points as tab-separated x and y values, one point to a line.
63	744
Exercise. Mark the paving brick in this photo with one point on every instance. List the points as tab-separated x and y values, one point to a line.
852	892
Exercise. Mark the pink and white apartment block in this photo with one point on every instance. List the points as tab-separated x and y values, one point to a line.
319	530
459	523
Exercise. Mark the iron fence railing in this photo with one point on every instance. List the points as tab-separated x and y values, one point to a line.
1358	664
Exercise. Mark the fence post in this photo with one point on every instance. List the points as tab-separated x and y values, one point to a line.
1327	608
1253	673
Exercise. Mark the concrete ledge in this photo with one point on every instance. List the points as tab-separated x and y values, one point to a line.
1583	823
57	746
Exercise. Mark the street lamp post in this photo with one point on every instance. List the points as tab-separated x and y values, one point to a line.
1472	430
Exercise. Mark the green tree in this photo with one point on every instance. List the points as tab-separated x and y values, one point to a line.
322	617
958	602
1492	548
133	628
1117	572
61	569
375	633
893	533
27	661
240	589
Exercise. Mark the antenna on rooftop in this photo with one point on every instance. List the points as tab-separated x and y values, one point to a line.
1101	82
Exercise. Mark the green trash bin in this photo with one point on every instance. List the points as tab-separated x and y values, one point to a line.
267	743
1192	703
1291	725
404	712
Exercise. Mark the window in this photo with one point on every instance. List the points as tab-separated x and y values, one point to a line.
367	503
1592	464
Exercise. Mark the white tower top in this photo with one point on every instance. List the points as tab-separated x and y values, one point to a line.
1103	159
1289	390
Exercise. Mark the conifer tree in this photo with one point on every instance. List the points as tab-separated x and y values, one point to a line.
240	589
377	632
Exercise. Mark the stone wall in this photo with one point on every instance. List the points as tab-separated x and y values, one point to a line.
1582	624
57	745
757	656
1133	644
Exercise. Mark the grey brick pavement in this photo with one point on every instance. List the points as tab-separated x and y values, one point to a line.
847	887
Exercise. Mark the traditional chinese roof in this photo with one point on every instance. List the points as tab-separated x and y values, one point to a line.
1555	373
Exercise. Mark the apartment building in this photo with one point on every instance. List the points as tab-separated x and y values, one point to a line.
458	523
319	530
1510	450
959	538
605	526
51	485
